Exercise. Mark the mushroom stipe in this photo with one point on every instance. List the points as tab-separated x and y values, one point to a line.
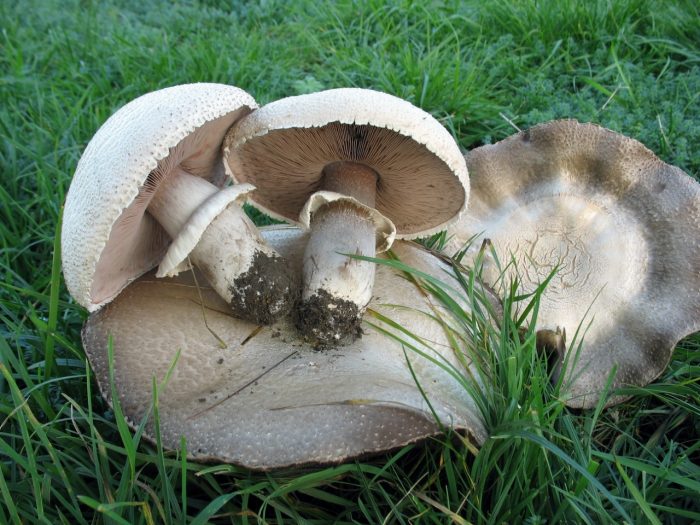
327	321
212	230
266	292
336	287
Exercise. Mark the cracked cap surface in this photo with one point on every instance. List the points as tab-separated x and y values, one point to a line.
622	229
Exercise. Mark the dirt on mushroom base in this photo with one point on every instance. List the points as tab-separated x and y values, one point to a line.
266	292
324	318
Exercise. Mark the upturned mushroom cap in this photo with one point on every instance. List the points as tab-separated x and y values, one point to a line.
621	226
283	147
108	238
268	400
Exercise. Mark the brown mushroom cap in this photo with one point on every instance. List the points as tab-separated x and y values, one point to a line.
268	400
622	226
283	147
108	239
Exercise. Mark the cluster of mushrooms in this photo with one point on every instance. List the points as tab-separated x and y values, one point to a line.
228	329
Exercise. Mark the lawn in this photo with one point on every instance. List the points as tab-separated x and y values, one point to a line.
483	69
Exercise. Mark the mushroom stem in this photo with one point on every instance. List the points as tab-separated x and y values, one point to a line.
176	201
239	265
351	179
337	288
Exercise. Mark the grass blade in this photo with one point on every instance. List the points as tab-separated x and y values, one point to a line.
49	359
212	508
653	519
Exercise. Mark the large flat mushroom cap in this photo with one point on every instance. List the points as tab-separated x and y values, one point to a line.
283	147
622	227
108	239
269	400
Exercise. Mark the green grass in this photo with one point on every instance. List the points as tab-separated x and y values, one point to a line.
65	457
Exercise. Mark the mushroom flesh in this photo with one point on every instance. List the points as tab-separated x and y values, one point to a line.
619	228
147	191
270	400
357	167
336	289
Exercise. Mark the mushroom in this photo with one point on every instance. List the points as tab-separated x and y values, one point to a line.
620	228
357	167
270	400
151	174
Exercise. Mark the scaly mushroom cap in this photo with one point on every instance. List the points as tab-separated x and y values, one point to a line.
283	147
621	226
108	238
268	400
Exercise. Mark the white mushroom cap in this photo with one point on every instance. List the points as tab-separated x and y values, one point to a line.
283	147
624	228
269	400
108	239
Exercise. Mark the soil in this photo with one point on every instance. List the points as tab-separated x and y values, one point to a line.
266	292
326	321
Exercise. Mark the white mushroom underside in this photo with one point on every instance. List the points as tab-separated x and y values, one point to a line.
624	228
600	254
